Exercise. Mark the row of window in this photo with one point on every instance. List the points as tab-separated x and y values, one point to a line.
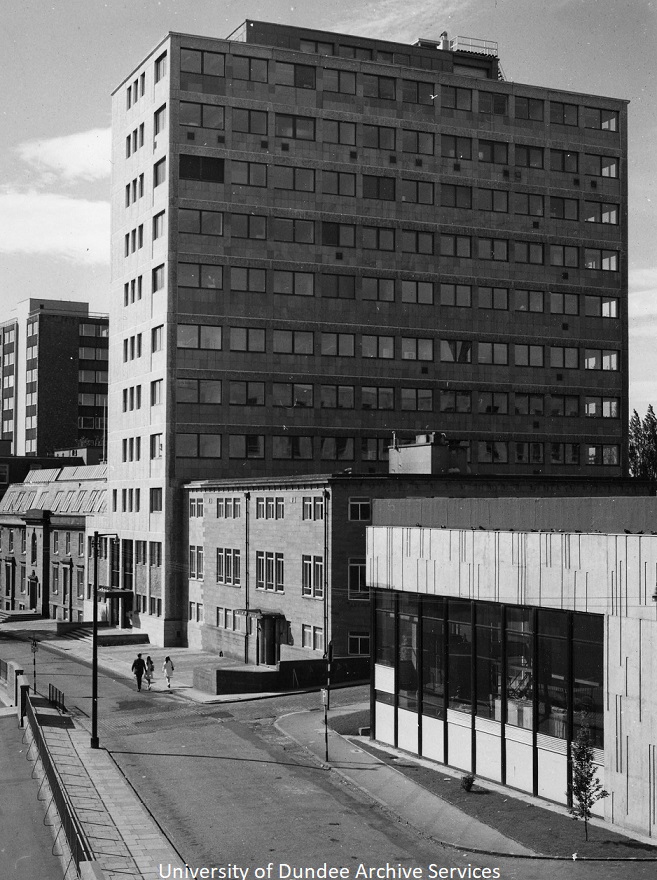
252	446
377	397
379	137
533	453
211	169
409	241
199	68
298	283
130	500
456	351
286	447
61	542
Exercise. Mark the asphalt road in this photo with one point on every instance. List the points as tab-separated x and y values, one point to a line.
229	789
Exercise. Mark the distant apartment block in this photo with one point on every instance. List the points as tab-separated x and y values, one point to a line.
321	239
53	366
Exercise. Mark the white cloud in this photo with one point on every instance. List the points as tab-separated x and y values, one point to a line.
48	224
82	156
401	21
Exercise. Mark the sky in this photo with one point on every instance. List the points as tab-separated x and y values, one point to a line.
61	59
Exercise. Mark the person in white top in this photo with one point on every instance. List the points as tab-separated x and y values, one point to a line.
167	669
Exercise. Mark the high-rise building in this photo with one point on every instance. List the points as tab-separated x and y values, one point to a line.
53	367
320	239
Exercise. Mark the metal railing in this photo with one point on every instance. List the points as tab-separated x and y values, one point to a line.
56	697
75	836
472	44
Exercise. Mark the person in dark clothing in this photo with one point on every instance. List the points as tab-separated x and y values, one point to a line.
139	667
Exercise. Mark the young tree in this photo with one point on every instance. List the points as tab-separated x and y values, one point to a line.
585	788
635	445
649	437
642	451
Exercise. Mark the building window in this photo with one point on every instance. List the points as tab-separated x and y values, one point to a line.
338	286
341	81
601	259
378	347
564	358
602	120
453	147
358	588
382	87
493	452
529	356
529	157
382	188
416	242
300	128
529	108
529	252
160	67
455	98
493	151
600	359
339	132
292	447
360	509
455	351
496	200
493	249
292	342
338	234
420	142
379	137
414	349
493	402
600	212
358	643
455	246
246	446
414	92
337	396
493	103
564	209
455	402
529	404
155	500
564	255
529	204
294	283
382	289
563	114
299	76
338	344
248	280
298	179
253	69
159	172
420	292
564	160
493	353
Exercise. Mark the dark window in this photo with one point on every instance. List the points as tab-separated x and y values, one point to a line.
205	168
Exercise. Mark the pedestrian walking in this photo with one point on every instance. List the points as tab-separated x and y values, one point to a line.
148	672
138	667
167	669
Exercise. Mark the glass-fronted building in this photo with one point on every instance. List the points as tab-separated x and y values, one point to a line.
493	689
501	625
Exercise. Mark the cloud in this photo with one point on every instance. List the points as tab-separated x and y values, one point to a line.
82	156
399	21
48	224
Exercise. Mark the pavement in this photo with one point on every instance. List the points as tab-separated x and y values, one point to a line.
125	836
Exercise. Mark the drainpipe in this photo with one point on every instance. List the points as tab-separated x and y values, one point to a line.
247	498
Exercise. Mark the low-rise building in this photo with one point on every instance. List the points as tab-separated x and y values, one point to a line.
43	546
276	566
503	625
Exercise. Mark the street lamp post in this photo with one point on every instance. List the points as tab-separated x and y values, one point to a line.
94	644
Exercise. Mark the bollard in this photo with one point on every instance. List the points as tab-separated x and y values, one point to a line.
21	702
